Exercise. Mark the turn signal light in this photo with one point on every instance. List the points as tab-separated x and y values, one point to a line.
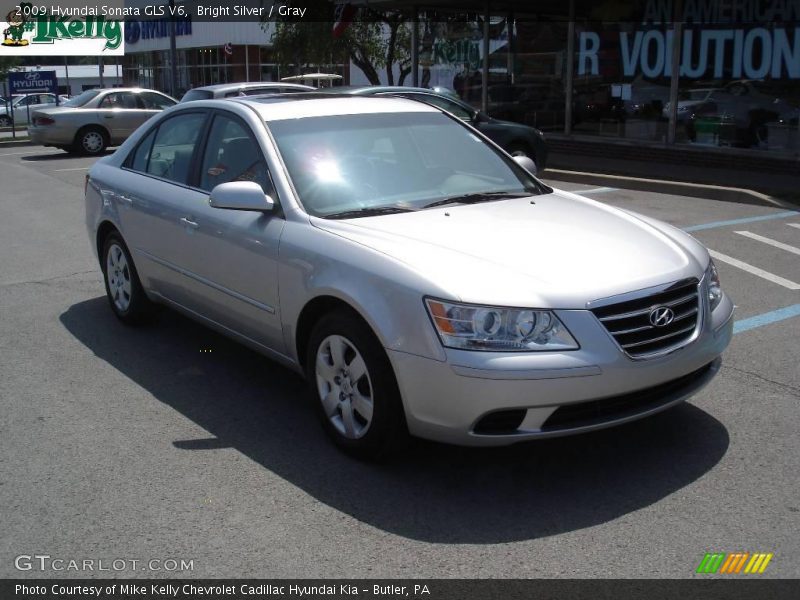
43	121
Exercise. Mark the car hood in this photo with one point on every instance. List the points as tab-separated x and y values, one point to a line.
555	250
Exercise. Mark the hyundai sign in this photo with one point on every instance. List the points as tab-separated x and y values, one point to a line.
31	82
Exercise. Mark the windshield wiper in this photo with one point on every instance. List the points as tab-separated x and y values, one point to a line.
477	197
369	212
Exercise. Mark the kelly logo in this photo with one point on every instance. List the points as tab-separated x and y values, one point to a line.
734	563
32	30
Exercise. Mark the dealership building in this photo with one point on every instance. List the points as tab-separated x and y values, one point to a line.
721	74
208	53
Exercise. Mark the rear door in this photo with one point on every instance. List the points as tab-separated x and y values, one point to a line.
121	113
152	193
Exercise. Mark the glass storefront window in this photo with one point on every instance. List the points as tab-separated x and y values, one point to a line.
739	87
622	80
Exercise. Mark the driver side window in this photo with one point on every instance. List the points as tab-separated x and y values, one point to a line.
232	154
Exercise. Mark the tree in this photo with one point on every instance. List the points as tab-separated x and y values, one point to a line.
373	40
7	63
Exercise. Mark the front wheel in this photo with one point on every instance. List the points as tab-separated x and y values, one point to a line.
123	288
353	387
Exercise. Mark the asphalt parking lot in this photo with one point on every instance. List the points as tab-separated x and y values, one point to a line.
170	442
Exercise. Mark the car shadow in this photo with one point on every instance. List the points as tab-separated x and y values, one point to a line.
433	492
56	154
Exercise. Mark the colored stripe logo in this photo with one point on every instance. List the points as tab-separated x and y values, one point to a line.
734	563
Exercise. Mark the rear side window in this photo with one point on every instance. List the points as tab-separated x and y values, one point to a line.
155	101
231	154
173	146
142	153
120	100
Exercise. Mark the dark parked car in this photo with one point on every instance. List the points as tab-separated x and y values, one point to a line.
514	138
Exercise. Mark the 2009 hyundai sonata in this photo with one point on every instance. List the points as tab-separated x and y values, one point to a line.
421	279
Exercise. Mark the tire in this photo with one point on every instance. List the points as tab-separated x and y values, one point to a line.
91	141
123	287
353	387
5	121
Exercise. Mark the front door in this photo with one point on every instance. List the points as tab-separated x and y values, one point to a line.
233	255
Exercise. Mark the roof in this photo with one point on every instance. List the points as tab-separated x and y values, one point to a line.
320	76
299	106
247	84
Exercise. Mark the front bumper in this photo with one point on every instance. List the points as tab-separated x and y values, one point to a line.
597	386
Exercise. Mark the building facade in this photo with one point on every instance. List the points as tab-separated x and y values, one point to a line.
208	53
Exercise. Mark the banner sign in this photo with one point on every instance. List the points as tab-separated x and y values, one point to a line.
31	82
30	30
755	53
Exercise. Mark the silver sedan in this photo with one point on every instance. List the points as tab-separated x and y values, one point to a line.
421	279
96	119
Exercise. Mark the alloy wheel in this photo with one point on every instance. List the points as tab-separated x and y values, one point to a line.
119	278
344	386
92	142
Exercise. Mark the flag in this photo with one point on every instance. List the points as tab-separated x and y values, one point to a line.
342	17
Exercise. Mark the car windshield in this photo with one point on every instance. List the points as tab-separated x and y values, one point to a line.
357	165
81	99
197	95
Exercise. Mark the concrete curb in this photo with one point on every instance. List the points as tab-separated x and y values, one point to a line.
661	186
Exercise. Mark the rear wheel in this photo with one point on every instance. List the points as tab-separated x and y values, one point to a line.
123	288
5	121
353	387
91	140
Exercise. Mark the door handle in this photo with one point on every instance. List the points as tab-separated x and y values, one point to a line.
190	223
125	198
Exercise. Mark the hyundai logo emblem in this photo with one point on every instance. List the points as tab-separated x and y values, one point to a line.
661	316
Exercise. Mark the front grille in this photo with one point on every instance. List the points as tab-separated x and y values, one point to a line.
629	321
585	414
500	422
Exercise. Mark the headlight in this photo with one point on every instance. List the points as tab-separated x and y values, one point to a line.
714	286
471	327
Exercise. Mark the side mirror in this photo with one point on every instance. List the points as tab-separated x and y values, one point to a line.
526	163
241	195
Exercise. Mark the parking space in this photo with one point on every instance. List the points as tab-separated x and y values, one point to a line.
173	442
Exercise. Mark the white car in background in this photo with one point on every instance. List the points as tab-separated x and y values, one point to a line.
22	105
689	100
96	119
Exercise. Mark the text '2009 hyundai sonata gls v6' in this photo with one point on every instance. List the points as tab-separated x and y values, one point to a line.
421	279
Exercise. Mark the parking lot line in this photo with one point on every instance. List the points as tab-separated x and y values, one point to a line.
771	317
794	225
18	153
770	241
716	224
600	190
755	270
72	169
